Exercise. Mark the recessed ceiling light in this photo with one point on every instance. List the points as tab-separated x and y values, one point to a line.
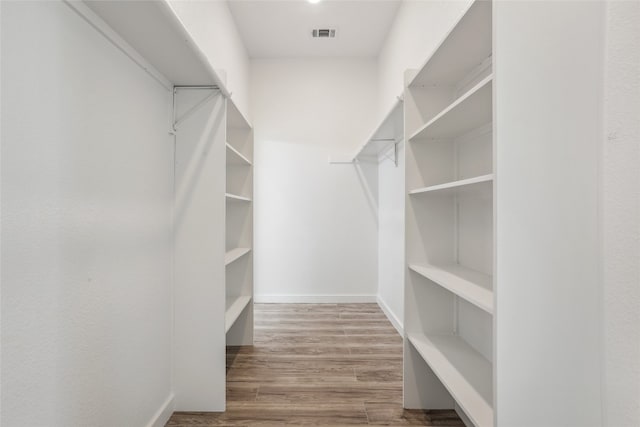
314	1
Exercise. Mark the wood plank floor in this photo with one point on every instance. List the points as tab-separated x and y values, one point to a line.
317	364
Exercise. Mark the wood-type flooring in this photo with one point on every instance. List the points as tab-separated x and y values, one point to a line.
317	364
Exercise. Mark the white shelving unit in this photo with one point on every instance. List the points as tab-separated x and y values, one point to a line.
239	228
213	203
449	297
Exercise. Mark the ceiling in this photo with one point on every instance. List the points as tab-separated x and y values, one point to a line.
277	28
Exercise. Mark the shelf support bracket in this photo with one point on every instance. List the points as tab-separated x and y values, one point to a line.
395	157
175	121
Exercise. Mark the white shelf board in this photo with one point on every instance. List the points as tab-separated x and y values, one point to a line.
235	306
385	135
454	185
230	196
470	111
234	157
468	284
465	47
235	254
235	117
154	30
466	374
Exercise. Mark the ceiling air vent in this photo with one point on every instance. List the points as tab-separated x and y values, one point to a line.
324	33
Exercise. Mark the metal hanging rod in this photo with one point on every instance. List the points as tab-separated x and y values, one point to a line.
215	87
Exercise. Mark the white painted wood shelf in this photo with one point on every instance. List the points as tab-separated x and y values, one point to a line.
471	35
385	135
236	158
466	283
239	226
454	185
466	374
236	197
235	254
165	43
235	117
470	111
235	307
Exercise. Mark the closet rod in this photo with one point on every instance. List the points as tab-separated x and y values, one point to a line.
214	87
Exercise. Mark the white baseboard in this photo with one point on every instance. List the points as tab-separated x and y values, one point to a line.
391	316
314	299
164	413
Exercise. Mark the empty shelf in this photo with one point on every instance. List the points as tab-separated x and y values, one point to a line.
454	185
235	117
234	254
234	157
164	43
235	306
471	285
466	46
465	373
230	196
468	112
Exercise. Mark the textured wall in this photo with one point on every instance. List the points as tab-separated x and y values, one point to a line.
86	226
621	215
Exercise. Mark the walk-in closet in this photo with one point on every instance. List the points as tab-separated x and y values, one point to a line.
320	212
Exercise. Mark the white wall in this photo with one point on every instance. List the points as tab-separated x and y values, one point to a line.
86	226
315	223
417	30
548	107
212	27
621	216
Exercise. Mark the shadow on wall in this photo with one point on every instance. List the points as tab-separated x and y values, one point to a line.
189	171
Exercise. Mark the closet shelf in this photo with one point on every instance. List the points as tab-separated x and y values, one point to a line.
234	157
466	374
235	254
454	185
165	43
230	196
385	135
466	46
235	306
235	117
468	284
470	111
